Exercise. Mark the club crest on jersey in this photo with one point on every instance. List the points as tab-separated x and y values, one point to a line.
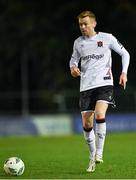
99	43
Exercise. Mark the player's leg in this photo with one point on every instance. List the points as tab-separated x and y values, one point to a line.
87	121
87	106
100	112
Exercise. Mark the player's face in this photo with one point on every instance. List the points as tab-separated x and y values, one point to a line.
87	26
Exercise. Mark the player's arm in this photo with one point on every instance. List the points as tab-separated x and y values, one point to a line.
118	47
75	71
123	80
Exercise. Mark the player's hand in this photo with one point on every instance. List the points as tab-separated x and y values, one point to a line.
123	80
75	71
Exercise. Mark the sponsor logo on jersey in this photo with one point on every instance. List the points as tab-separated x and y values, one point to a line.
99	43
92	56
108	75
107	78
109	72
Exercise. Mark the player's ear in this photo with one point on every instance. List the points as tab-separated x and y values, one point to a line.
95	23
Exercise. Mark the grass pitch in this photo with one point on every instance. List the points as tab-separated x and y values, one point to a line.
67	157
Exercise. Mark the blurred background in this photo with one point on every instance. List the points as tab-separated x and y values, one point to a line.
37	93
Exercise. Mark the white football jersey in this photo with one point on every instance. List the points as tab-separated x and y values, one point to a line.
95	56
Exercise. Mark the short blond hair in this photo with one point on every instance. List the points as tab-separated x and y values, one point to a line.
85	14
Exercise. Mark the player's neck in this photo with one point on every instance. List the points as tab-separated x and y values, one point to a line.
93	33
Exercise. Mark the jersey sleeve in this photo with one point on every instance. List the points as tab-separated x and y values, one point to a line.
118	48
75	56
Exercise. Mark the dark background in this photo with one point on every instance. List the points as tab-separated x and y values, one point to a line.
36	41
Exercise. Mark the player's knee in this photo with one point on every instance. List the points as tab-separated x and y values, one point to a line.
87	120
99	115
87	115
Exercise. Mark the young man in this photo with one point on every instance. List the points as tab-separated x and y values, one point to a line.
96	81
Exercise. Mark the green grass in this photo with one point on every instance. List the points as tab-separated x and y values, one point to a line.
67	157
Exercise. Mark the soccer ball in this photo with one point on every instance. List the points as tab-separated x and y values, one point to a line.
14	166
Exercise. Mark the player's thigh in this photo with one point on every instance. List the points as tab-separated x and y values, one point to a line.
87	118
100	110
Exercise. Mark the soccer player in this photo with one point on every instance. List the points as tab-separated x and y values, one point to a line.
93	51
